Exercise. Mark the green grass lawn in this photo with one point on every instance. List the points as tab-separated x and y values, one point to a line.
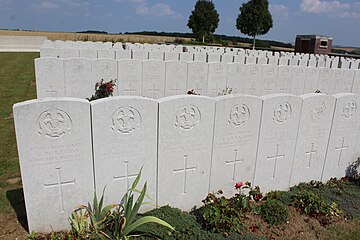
17	84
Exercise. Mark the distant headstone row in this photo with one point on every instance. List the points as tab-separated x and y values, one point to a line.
169	52
156	79
188	146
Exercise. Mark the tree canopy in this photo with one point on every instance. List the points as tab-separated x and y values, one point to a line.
254	18
203	20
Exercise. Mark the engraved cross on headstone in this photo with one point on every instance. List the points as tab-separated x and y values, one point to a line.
51	91
197	89
341	148
252	89
276	157
185	170
60	183
283	88
311	153
234	162
216	90
127	176
130	90
153	90
176	89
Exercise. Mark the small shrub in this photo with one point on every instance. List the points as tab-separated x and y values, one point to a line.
276	195
315	205
274	212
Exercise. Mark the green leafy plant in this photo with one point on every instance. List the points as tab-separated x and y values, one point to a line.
115	221
225	214
274	212
315	205
219	213
103	89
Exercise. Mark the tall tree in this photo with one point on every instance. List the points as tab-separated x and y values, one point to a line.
254	18
203	20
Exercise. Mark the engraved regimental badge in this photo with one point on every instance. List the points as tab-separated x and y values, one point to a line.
125	120
54	123
187	117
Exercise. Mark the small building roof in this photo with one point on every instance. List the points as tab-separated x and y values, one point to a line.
313	36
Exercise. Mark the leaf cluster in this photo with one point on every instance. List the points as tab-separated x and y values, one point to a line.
254	18
274	212
204	19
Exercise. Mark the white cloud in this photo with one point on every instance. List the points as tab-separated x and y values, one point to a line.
158	9
45	5
318	6
279	10
335	8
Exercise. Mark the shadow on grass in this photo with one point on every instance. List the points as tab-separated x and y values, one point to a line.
16	199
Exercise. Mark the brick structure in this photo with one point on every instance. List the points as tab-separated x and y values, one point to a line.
315	44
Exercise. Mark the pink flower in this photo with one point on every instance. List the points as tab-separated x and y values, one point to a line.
238	185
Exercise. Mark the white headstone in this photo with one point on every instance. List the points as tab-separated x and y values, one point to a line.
156	55
184	150
198	77
129	77
253	76
122	54
356	84
311	80
140	55
55	153
262	60
49	77
298	75
78	78
313	137
176	78
237	123
284	79
335	80
67	53
88	53
103	69
250	60
186	57
277	139
153	83
239	59
171	56
125	139
213	57
268	80
236	77
347	80
324	80
227	58
106	53
49	52
216	79
200	57
343	136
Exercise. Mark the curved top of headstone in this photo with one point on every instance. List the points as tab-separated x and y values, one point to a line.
116	98
176	97
52	99
277	95
219	98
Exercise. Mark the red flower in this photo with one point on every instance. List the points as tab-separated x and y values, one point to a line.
238	185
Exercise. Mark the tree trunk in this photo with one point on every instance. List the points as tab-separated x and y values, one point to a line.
254	41
203	38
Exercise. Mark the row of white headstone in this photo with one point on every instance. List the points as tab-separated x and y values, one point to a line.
188	146
156	79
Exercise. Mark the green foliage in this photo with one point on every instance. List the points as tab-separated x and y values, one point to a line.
203	20
274	212
254	18
98	222
315	205
222	214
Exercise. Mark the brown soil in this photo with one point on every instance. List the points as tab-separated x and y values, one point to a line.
10	228
298	227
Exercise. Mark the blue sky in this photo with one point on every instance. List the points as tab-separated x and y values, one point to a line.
337	18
